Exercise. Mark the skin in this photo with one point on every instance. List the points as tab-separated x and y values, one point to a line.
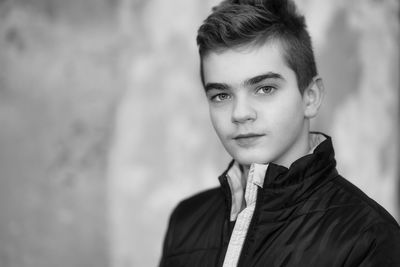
256	107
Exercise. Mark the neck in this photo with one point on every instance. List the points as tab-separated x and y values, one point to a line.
299	148
245	173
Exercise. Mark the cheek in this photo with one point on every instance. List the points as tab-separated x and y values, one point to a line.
288	114
218	120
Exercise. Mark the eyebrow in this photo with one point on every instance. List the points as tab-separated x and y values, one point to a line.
247	82
262	77
216	86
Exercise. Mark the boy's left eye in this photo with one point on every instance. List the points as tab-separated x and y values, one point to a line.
265	90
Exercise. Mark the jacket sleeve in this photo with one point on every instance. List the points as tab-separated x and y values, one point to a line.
168	239
378	246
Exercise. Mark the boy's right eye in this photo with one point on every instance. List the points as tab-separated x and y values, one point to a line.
220	97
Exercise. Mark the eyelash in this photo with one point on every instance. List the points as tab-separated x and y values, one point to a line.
271	90
214	98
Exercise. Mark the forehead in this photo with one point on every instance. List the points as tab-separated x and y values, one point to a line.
233	66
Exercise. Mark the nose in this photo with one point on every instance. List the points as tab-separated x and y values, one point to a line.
243	111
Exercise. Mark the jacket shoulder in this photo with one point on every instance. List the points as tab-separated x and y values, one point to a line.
354	225
200	205
192	224
351	195
377	241
202	198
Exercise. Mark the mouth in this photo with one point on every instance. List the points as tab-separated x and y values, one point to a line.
248	135
248	139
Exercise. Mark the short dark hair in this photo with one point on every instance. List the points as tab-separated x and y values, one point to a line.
239	23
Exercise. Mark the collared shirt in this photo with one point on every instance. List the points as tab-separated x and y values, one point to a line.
243	217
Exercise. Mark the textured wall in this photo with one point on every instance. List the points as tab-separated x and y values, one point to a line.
104	126
364	122
59	82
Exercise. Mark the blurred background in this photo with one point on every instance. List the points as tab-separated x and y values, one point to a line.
104	125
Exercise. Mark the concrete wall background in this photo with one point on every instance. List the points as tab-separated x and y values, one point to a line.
59	84
104	126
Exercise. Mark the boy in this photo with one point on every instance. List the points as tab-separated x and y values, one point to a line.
281	200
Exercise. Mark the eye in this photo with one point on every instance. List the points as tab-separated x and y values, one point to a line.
265	90
220	97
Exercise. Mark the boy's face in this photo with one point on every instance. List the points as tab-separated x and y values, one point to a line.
255	105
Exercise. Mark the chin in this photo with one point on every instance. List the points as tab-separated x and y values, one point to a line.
249	158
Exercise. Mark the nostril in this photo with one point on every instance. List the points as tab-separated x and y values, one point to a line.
242	109
243	115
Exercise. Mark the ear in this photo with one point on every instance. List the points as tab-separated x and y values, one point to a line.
312	97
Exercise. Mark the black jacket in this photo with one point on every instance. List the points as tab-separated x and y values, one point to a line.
306	215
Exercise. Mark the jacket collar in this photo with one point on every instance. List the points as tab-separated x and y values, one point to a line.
284	186
321	160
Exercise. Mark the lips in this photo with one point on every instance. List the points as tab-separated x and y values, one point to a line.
248	139
248	135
